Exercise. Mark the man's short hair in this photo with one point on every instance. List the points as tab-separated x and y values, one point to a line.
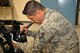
31	7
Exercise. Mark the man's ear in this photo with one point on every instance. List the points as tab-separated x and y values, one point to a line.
38	12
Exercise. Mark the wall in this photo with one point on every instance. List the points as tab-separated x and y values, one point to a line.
37	0
79	15
66	7
79	18
18	7
5	13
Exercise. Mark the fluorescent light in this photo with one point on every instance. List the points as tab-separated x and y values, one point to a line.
61	1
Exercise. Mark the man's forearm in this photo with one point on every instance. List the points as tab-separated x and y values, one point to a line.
27	46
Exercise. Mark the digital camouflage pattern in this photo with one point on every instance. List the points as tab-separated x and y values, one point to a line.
55	35
1	36
1	50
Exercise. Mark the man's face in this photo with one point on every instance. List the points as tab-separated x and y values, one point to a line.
38	17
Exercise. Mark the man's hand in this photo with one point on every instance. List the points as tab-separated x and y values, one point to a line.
14	44
24	29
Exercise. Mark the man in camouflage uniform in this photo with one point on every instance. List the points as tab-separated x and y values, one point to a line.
55	35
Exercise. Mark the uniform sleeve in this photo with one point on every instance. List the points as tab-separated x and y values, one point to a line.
36	45
27	46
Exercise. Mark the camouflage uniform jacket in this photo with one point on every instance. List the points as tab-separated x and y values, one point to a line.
56	35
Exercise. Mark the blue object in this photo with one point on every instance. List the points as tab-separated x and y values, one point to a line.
66	7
